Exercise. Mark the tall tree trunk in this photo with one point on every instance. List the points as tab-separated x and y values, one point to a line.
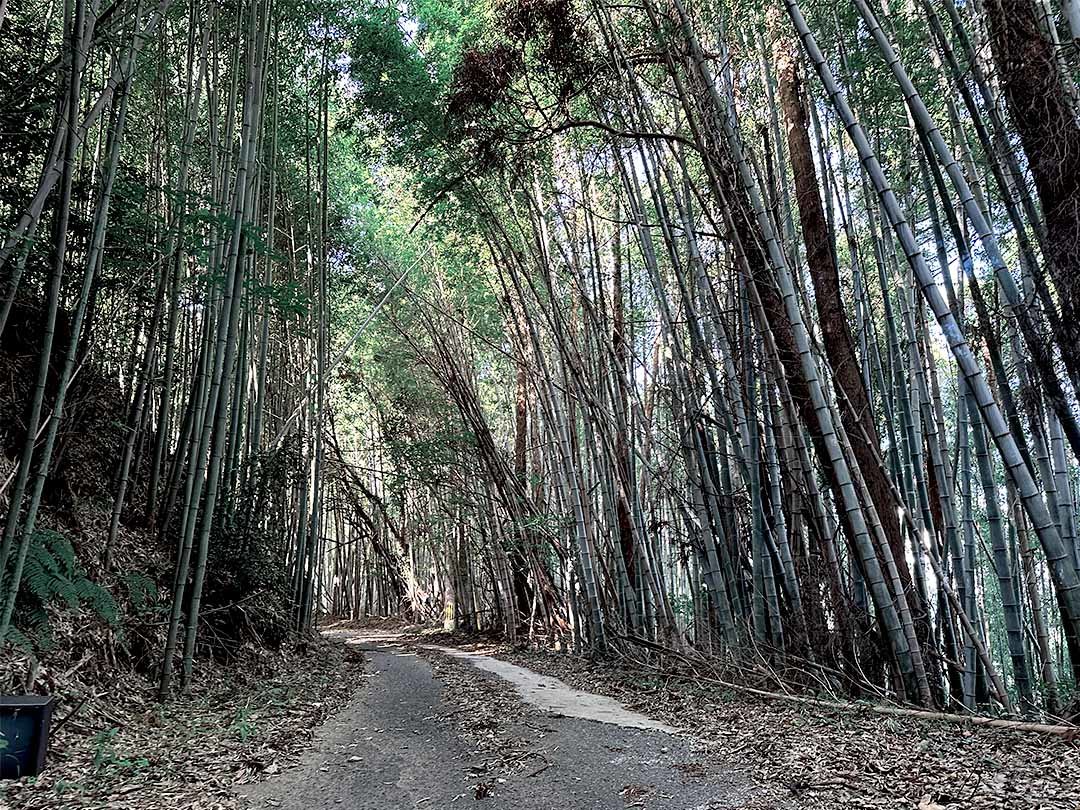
856	409
1045	119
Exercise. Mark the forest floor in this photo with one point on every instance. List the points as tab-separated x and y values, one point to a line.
115	746
391	719
815	758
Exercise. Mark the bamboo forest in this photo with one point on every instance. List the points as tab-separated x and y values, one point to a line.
540	404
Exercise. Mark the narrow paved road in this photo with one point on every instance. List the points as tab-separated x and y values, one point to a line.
392	747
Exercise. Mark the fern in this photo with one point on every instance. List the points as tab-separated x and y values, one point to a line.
99	600
142	591
52	573
34	632
28	641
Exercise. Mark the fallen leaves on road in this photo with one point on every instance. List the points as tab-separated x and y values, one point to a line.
635	795
488	714
815	758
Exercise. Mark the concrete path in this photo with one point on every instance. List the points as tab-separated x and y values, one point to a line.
392	747
552	695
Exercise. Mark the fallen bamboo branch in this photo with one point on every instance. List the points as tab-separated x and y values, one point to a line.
1068	732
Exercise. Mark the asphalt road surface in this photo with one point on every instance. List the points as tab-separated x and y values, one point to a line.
392	747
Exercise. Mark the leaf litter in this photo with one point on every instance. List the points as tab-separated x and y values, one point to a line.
244	724
487	714
120	749
815	758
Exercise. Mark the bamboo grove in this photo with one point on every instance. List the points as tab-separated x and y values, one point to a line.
165	188
785	367
748	334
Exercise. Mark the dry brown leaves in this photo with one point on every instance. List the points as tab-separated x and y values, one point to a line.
488	714
122	750
814	758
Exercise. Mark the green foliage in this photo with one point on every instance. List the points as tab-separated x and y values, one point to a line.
242	726
288	298
682	606
131	216
103	748
394	89
53	574
141	591
106	758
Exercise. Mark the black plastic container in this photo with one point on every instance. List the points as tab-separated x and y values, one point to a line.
24	734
